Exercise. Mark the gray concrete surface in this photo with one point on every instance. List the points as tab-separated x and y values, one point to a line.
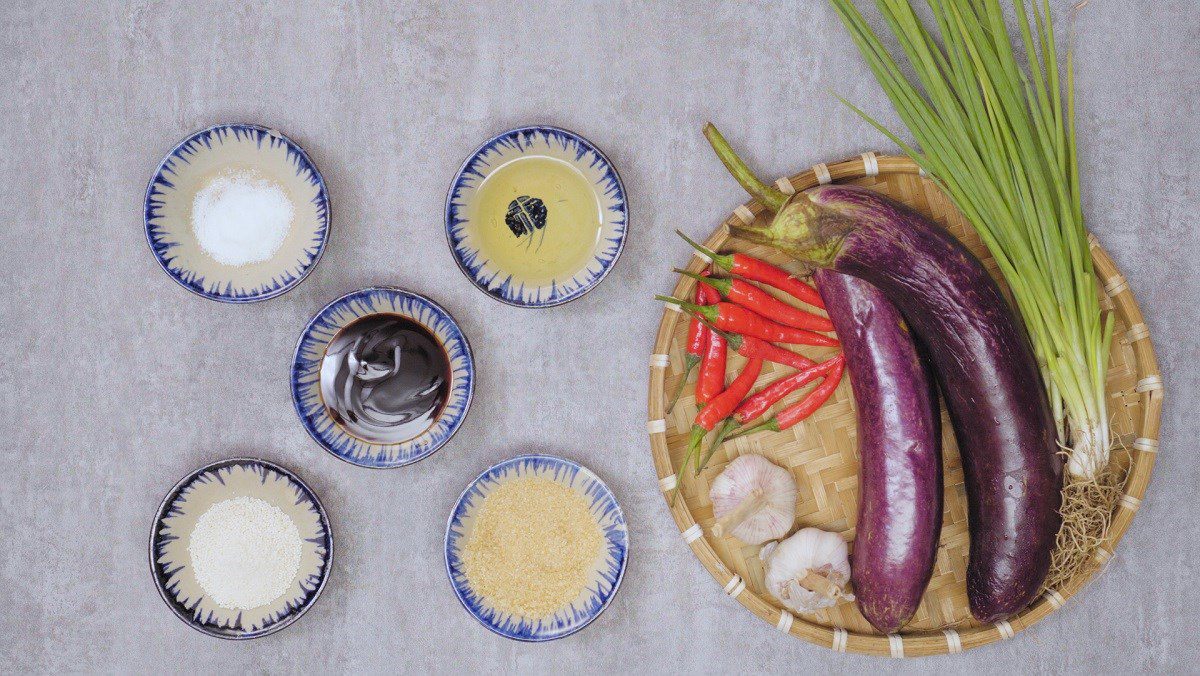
117	381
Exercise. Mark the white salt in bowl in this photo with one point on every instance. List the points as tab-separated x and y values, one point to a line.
261	221
171	562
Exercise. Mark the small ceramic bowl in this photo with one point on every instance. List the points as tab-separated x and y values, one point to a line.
198	160
171	564
310	354
511	284
605	578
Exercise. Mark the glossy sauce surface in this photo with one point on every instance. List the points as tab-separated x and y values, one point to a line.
385	378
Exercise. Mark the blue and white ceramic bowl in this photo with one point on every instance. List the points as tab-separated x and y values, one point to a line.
605	578
306	376
171	564
196	162
511	285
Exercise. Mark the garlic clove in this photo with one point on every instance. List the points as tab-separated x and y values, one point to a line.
765	552
753	500
808	571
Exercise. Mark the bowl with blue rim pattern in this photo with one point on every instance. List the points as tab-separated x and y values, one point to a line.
335	433
177	516
536	216
237	213
604	578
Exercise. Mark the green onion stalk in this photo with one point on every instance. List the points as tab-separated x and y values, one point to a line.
994	122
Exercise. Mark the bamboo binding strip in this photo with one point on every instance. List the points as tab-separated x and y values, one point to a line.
821	452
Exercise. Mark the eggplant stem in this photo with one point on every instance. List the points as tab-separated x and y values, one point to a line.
772	197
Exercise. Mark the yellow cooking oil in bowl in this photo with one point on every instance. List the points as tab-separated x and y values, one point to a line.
538	217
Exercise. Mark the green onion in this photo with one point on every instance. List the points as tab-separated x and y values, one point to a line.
996	132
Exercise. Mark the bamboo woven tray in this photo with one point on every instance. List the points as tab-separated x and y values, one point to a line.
822	452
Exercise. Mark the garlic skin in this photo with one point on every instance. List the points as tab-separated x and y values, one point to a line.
812	550
753	477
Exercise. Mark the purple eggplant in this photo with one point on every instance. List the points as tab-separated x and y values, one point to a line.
899	448
984	363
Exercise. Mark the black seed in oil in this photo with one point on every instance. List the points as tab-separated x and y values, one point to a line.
525	215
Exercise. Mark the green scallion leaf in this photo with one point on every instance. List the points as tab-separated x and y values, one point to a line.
993	122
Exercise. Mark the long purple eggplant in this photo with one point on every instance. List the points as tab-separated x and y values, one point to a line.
984	363
899	448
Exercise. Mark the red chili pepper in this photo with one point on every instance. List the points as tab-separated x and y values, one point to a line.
723	404
755	406
801	409
752	268
711	380
753	298
735	318
777	390
751	348
697	341
718	409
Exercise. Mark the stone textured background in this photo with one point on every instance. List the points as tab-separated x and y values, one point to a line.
118	382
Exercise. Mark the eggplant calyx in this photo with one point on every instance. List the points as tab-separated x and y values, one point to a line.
807	231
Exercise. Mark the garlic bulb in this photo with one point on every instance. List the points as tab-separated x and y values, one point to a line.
808	571
754	500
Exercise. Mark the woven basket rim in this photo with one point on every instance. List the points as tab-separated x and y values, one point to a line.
1143	453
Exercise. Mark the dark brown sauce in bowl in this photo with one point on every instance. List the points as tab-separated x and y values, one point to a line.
385	378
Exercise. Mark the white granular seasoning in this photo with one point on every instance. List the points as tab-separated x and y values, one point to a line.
240	217
245	552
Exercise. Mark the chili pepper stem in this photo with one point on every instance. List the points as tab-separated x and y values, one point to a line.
676	301
733	339
693	450
721	285
772	197
724	261
705	311
725	429
689	363
771	425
